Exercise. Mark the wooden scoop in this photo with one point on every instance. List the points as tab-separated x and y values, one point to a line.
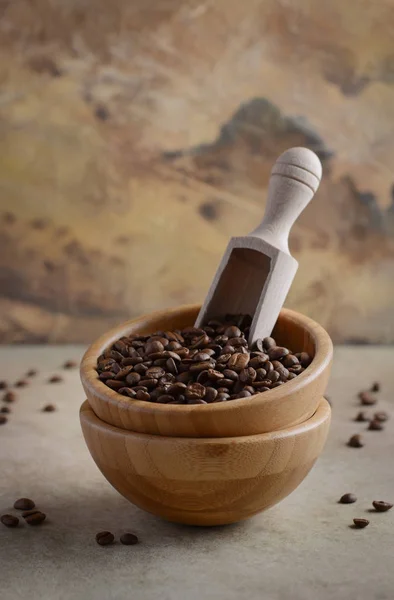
257	270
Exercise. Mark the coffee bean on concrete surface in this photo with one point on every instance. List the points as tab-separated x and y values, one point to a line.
49	408
55	379
381	416
70	364
9	520
34	517
24	504
105	538
347	499
375	425
367	398
375	387
360	523
129	539
381	506
31	373
9	397
3	420
5	410
21	383
361	417
3	385
355	441
214	364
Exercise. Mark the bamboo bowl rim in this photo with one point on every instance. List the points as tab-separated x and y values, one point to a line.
320	362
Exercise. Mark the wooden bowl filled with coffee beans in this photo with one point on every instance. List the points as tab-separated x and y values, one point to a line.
159	375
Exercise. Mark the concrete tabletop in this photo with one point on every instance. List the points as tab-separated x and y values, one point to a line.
302	549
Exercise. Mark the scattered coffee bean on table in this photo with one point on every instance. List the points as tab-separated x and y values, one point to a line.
105	538
9	397
49	408
34	517
5	410
3	385
361	417
381	416
348	499
3	420
375	387
367	399
24	504
9	520
70	364
375	425
55	379
21	383
31	373
381	506
355	441
360	523
202	365
129	539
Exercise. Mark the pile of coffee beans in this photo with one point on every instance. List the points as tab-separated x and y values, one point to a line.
198	365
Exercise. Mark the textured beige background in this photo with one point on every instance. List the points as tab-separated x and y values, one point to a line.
137	136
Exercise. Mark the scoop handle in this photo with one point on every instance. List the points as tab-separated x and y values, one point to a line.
294	180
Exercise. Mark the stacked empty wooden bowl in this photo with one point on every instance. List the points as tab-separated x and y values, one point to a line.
216	463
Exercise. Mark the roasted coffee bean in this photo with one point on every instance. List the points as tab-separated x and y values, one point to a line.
230	374
57	378
140	388
128	539
153	347
149	384
277	384
9	397
3	385
168	378
214	375
141	368
171	366
259	346
159	338
273	376
297	369
304	359
173	346
133	378
381	506
121	347
380	416
258	361
375	425
104	375
200	342
223	359
31	373
248	375
155	373
49	408
260	374
34	517
347	499
176	388
277	352
260	385
105	538
122	374
21	383
114	384
3	420
24	504
221	397
269	343
165	399
360	523
232	332
238	361
5	410
293	376
375	387
184	377
228	350
9	520
243	394
140	395
126	391
201	356
69	364
237	341
290	361
202	366
210	394
225	383
367	399
361	417
281	370
195	390
355	441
